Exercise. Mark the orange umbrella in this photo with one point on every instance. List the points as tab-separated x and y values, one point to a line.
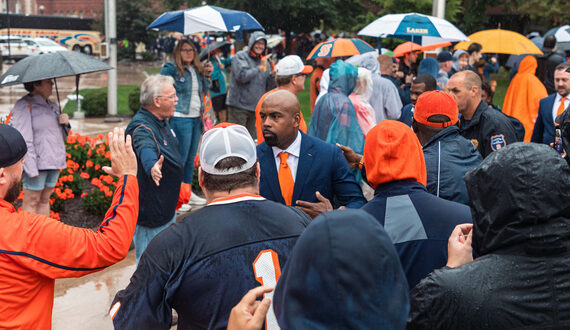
340	47
435	46
502	42
406	47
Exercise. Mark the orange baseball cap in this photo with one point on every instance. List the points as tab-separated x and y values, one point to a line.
436	103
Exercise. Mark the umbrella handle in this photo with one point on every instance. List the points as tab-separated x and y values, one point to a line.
57	94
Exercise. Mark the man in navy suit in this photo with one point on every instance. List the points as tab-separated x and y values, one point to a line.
552	105
318	169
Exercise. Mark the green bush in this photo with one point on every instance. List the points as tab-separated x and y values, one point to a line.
148	56
134	99
96	202
95	103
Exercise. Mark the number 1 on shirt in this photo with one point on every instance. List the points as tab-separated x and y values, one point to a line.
267	272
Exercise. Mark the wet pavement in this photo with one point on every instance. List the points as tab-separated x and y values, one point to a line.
83	303
128	74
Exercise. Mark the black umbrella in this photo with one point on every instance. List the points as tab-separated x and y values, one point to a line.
211	47
52	65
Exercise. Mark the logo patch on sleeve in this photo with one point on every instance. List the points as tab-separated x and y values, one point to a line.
498	142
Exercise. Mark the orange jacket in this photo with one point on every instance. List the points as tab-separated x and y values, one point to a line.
524	94
315	85
260	138
35	250
392	152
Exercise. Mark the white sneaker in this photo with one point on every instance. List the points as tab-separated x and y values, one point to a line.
196	200
184	208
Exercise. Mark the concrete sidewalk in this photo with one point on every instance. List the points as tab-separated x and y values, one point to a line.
83	303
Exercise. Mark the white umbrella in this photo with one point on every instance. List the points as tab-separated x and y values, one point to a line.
419	28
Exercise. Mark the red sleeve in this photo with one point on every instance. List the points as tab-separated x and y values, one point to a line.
57	250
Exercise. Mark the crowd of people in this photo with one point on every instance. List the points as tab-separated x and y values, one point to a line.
407	201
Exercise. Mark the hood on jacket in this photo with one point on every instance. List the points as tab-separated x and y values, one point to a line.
430	66
519	197
393	152
342	77
255	36
367	60
343	273
528	65
456	56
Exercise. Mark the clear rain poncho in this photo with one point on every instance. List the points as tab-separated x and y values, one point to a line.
361	101
334	118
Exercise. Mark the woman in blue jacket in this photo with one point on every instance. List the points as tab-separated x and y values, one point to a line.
191	81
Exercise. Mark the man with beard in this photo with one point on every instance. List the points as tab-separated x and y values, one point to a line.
35	250
300	170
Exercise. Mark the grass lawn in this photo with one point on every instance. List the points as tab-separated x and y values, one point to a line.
153	70
122	99
502	79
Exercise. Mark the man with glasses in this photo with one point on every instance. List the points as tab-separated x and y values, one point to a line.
290	75
160	167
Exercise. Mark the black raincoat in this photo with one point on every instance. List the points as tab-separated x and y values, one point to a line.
521	216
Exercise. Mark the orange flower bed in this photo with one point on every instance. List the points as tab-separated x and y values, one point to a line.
84	178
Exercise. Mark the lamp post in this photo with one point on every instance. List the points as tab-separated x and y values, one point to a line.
112	83
8	25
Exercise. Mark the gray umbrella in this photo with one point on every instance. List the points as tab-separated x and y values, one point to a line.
52	65
211	47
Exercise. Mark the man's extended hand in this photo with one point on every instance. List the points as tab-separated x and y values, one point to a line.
352	157
314	209
123	159
156	170
459	251
249	313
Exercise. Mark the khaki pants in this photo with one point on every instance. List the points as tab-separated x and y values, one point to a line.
243	117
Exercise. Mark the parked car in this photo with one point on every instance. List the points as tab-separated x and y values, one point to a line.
18	48
43	45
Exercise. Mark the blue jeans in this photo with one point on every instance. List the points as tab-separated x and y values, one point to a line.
188	132
143	236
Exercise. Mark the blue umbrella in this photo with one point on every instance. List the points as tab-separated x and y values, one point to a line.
204	19
416	27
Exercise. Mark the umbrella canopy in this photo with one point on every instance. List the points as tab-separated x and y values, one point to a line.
561	33
406	47
51	65
414	25
501	41
211	47
340	47
203	19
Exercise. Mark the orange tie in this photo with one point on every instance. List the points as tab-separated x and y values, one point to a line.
286	179
561	107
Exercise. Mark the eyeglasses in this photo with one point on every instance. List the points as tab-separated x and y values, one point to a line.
187	50
301	75
172	97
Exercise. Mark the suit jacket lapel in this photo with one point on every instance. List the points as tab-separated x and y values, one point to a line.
551	110
304	165
267	163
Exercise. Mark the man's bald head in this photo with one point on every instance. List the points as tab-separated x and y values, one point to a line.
284	99
469	78
465	86
280	117
386	64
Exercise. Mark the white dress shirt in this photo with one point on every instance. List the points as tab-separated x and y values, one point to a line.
557	101
294	151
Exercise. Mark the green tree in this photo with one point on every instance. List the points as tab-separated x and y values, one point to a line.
132	19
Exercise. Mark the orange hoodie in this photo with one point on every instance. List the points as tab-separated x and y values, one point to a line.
524	94
393	152
35	250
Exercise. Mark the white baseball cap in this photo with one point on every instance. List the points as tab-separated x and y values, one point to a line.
223	141
290	65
